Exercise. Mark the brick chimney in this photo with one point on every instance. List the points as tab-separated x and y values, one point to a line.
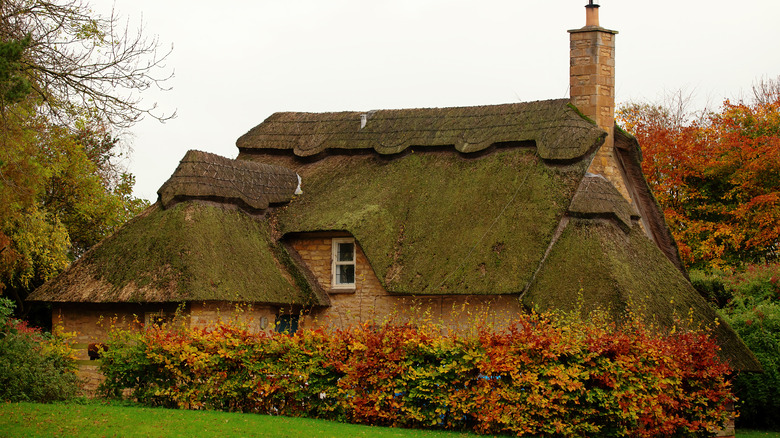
592	85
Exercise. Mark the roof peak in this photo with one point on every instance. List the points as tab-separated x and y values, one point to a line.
559	131
203	175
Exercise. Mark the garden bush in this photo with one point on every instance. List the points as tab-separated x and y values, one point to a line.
712	287
749	300
33	366
754	313
759	394
543	375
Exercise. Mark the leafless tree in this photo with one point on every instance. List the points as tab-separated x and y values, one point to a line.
766	91
77	60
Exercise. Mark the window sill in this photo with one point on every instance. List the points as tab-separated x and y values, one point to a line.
342	290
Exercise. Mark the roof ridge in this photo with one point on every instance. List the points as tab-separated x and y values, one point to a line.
560	132
204	175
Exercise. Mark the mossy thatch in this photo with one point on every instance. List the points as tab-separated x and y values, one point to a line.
597	197
204	175
630	154
559	131
596	264
439	222
190	252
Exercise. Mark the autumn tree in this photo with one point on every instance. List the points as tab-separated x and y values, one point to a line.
69	85
716	175
76	60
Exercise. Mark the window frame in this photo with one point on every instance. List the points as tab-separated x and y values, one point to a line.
335	263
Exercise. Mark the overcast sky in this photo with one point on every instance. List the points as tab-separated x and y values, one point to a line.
237	62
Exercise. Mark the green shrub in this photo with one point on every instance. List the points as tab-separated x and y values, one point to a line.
712	287
757	283
757	321
540	376
753	310
33	366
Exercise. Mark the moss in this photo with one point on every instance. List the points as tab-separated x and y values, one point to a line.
596	265
609	268
580	113
301	282
198	252
141	252
623	132
436	223
559	133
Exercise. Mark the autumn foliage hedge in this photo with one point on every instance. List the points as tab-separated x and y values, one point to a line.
540	376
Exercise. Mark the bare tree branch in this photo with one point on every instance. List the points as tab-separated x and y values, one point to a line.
766	91
79	60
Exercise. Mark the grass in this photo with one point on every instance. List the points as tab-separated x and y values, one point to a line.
757	434
71	420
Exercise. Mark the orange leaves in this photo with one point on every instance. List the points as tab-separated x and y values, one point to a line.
539	376
717	178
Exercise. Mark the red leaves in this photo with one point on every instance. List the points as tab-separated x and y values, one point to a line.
538	377
716	178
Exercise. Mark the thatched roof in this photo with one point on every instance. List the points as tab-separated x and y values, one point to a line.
447	220
203	175
596	264
436	222
628	150
558	130
190	252
597	197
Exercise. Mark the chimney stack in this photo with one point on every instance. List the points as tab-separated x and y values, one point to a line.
592	87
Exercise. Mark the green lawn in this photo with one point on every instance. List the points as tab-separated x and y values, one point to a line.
757	434
95	419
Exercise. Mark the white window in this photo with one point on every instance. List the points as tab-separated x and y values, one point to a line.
343	265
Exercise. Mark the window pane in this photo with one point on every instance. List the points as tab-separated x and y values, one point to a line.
287	324
346	252
345	274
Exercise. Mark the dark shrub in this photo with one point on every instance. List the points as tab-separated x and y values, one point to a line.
752	308
33	366
712	288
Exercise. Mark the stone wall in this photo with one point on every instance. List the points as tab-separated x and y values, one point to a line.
348	306
90	323
592	90
369	301
255	318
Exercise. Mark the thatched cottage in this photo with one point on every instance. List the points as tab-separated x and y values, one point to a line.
446	213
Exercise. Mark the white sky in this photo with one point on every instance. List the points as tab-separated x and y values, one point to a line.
237	62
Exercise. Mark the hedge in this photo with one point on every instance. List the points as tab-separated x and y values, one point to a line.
540	376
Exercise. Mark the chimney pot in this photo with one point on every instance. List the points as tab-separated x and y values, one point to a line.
592	89
592	14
